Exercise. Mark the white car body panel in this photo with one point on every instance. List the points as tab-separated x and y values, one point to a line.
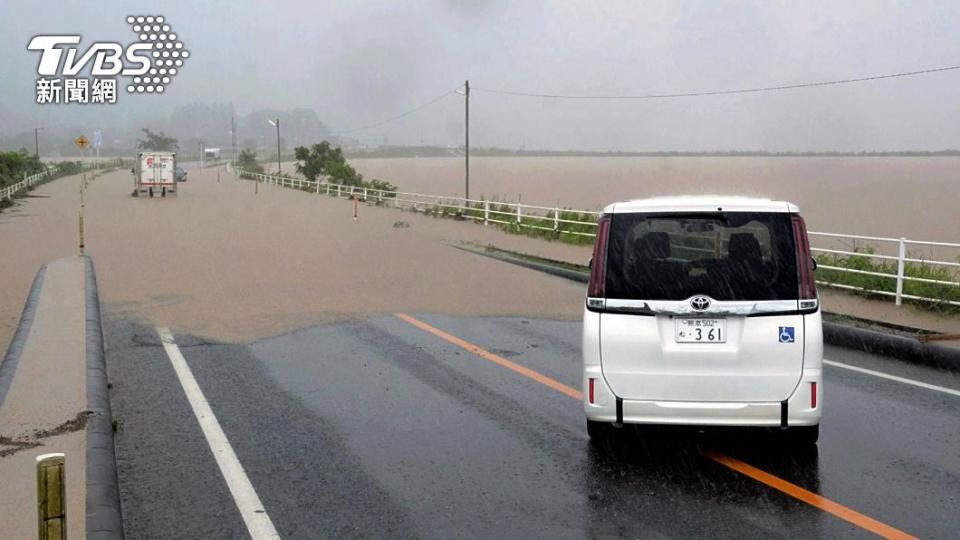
641	359
641	374
706	412
701	203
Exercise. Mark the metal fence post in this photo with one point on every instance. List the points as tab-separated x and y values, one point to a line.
364	194
338	191
556	219
486	212
900	267
519	215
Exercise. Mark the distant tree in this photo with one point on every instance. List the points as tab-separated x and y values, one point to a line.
157	141
13	165
247	160
323	160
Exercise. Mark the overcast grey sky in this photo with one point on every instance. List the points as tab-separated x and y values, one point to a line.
356	63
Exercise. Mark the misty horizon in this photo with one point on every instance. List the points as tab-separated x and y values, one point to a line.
358	65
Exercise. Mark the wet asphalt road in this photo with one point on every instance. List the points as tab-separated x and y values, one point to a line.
379	429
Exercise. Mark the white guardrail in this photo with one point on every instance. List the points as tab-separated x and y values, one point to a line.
555	219
28	182
8	192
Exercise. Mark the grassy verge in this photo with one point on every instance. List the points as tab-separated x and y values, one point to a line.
535	225
889	284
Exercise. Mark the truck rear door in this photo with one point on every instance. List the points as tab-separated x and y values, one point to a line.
165	171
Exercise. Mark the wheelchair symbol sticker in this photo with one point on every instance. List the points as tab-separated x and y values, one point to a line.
786	334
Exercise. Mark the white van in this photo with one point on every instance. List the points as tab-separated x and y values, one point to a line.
703	311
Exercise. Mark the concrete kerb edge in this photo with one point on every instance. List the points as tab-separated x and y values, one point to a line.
8	366
894	346
566	273
104	516
840	335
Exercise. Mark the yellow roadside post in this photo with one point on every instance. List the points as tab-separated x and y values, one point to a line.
51	498
82	144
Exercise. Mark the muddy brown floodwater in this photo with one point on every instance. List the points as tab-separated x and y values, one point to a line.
913	197
223	262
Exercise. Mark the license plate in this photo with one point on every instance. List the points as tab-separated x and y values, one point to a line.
700	331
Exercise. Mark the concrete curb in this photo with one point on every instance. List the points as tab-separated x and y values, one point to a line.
104	517
841	335
558	271
894	346
8	367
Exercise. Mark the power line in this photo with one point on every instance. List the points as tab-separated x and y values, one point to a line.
655	96
722	92
399	116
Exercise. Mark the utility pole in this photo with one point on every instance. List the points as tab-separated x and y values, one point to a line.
466	138
36	142
277	123
97	142
200	144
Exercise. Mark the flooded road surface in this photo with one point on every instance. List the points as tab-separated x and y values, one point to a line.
379	428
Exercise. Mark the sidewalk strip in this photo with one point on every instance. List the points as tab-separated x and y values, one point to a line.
890	377
248	503
745	469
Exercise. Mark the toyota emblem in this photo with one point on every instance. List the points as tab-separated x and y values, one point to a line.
699	303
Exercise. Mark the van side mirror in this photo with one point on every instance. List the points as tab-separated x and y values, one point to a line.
590	264
814	261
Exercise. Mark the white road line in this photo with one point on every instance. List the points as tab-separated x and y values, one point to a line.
251	509
903	380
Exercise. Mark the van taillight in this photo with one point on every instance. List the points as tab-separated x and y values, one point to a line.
808	287
595	289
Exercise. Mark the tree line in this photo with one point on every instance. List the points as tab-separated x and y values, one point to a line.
318	163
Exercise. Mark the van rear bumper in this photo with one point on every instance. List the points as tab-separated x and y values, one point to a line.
607	407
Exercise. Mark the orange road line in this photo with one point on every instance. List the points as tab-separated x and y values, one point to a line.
487	355
777	483
809	497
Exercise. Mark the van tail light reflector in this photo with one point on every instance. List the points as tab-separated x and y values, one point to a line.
808	285
598	274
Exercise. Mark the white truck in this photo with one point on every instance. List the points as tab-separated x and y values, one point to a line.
154	173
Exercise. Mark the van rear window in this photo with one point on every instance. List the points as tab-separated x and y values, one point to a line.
738	256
